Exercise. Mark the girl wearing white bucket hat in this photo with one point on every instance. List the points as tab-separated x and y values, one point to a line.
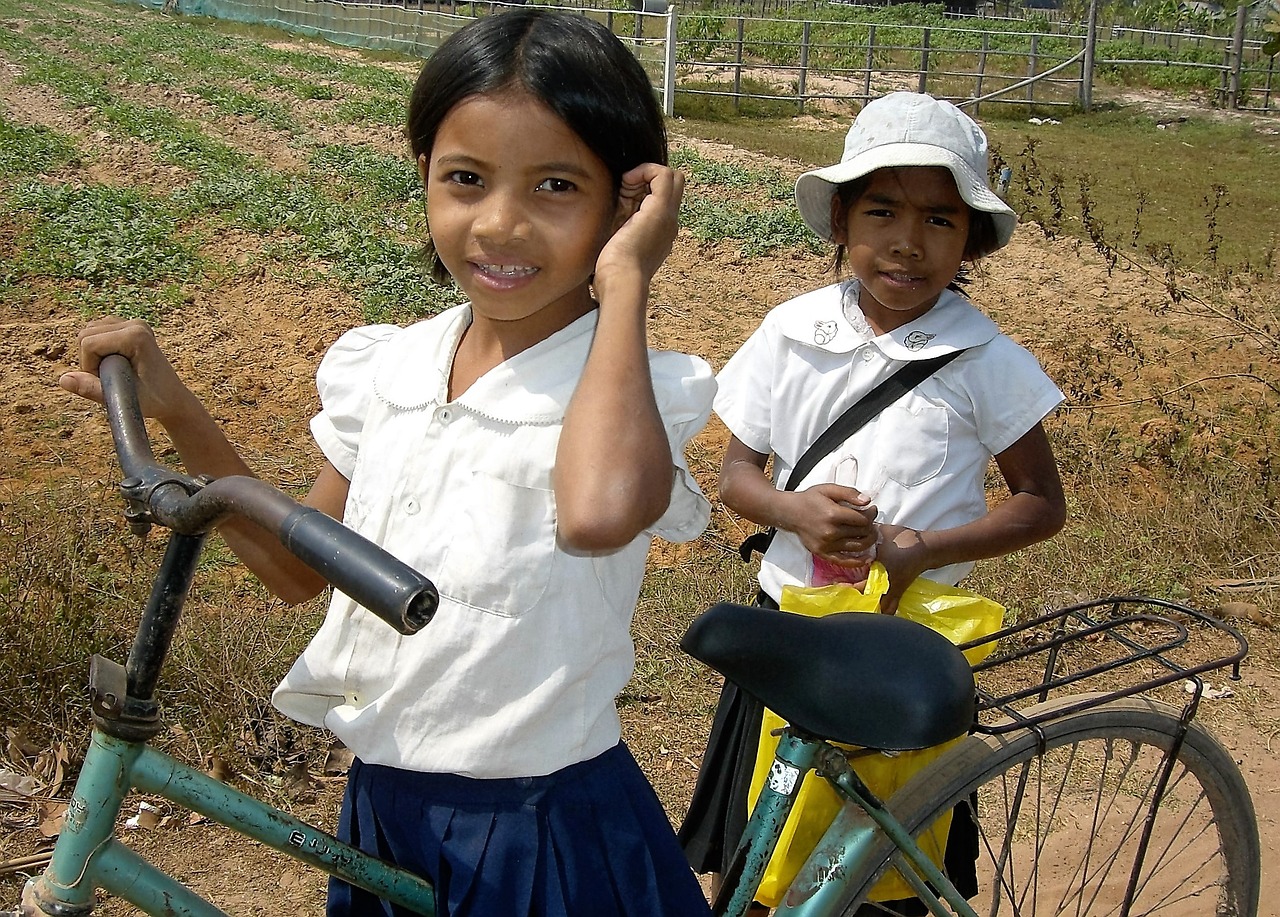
907	205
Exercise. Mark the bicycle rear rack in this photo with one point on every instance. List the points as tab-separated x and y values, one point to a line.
1103	650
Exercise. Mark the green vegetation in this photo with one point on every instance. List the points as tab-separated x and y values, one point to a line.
356	211
1152	185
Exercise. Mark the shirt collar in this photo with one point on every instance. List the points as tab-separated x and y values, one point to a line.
534	386
952	324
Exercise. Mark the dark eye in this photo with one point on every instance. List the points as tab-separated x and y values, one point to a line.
463	178
556	185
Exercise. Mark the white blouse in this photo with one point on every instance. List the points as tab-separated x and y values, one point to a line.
517	673
927	454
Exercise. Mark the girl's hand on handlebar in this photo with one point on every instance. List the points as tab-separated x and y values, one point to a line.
161	394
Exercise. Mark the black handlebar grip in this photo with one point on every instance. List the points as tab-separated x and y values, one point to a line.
392	590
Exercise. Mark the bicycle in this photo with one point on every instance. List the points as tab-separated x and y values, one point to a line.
1171	822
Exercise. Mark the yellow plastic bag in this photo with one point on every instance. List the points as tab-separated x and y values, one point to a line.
957	613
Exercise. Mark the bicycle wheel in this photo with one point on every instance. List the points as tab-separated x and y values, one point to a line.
1060	818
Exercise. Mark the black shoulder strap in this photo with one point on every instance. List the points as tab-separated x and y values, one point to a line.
865	410
853	419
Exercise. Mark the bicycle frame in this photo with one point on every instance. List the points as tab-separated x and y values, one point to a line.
841	856
87	854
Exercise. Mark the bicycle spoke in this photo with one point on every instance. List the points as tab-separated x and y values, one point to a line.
1059	833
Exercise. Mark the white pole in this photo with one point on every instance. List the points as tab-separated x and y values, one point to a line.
669	65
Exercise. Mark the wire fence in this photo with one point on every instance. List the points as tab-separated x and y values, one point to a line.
820	65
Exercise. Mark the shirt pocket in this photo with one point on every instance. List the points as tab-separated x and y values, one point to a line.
922	432
501	549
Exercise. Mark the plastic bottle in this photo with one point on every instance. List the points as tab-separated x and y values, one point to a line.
824	572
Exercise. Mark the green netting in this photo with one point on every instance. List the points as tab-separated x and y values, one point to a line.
415	28
411	30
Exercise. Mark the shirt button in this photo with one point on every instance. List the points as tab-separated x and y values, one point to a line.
445	415
867	355
411	506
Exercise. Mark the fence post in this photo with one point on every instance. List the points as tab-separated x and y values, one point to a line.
924	60
871	59
1237	56
802	88
1271	69
737	69
1086	67
982	72
1033	62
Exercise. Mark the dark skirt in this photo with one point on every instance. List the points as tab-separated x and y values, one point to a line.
591	839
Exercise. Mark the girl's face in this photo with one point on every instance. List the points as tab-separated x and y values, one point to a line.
905	238
519	209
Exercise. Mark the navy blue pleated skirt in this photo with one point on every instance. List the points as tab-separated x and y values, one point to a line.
591	840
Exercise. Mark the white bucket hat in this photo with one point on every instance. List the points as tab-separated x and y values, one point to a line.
908	129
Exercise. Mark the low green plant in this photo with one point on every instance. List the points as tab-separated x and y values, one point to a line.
721	100
99	235
33	150
701	170
756	230
368	174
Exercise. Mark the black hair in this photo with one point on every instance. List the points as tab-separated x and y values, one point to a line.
573	65
982	240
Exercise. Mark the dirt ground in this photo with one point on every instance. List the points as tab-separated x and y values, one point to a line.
250	346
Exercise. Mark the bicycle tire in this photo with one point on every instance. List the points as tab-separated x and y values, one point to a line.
1076	831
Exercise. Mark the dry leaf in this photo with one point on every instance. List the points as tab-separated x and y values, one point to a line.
52	815
298	784
219	769
17	786
148	817
338	761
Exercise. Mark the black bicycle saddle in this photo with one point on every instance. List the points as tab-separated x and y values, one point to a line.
863	679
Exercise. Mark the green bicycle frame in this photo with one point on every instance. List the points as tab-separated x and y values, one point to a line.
822	885
88	855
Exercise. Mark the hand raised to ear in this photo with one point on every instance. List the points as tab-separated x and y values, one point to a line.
648	218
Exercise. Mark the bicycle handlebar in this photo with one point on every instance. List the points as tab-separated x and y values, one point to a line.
391	589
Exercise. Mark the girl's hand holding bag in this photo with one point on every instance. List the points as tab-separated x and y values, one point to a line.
957	613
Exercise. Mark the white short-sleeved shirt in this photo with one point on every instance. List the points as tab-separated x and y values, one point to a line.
518	672
813	356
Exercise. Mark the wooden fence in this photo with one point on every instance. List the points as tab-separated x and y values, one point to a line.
817	65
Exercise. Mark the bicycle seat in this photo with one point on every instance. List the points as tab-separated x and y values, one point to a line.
862	679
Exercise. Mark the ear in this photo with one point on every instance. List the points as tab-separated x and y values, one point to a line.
623	210
422	168
839	221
